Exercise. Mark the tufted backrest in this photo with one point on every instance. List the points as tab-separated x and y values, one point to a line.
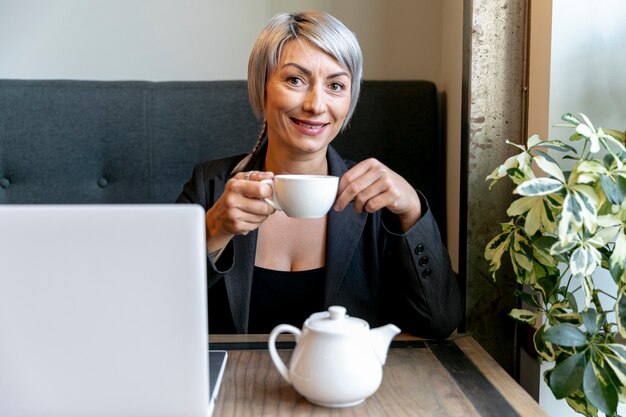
137	142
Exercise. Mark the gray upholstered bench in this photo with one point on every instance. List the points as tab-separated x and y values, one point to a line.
137	142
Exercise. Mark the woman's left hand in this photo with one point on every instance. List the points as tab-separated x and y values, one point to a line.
374	186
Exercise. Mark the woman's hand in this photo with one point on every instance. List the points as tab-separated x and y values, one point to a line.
239	210
374	186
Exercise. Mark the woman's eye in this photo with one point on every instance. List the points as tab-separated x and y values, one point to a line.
294	81
337	87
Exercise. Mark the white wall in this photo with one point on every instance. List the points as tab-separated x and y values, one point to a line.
587	74
127	39
199	39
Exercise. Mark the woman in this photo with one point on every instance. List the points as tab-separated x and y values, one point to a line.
378	252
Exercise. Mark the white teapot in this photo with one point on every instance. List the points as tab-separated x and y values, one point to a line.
338	360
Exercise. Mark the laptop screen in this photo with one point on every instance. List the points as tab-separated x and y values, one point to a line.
103	310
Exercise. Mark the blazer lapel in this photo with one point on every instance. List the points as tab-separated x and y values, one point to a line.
238	281
343	234
344	231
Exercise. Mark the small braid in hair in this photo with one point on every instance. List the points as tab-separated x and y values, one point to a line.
241	165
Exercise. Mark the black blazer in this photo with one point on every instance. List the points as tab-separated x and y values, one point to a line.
376	271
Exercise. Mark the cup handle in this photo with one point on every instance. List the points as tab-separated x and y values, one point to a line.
278	362
272	201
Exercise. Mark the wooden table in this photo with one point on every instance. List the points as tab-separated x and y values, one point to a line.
455	377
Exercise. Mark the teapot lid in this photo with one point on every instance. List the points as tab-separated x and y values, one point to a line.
335	320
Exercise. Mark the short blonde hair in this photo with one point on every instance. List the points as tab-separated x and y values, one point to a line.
321	29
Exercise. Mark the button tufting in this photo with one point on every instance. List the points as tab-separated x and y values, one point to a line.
5	183
102	182
426	273
423	261
419	249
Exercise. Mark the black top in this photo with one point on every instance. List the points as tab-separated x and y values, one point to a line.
374	269
284	297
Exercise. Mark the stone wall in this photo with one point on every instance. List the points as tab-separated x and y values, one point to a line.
494	94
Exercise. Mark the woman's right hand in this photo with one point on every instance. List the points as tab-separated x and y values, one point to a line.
239	210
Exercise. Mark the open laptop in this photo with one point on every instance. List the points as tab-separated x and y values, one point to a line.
103	312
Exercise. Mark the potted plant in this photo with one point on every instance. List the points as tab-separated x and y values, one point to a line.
567	226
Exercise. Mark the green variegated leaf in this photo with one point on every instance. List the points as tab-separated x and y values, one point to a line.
571	219
583	178
566	334
524	316
517	176
606	235
538	186
501	171
499	241
542	346
583	261
533	218
587	122
585	130
591	166
548	217
620	313
495	249
529	299
560	247
543	279
549	167
521	244
587	200
576	137
597	389
567	376
619	250
618	366
534	140
524	261
570	119
609	161
522	205
618	273
618	350
571	318
609	220
588	288
611	190
621	182
595	255
557	145
590	320
579	403
619	144
520	163
517	145
571	299
619	136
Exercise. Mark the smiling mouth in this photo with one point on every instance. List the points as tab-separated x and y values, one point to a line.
309	125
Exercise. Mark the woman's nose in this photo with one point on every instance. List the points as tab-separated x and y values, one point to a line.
314	100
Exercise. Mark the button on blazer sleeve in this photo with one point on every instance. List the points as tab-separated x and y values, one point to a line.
430	303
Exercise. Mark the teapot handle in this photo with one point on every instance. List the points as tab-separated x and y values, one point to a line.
278	362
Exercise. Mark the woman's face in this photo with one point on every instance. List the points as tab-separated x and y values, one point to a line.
307	98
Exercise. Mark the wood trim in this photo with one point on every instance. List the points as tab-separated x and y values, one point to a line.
519	399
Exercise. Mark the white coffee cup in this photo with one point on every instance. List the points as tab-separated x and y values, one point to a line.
303	196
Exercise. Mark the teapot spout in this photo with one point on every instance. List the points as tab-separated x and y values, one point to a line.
381	339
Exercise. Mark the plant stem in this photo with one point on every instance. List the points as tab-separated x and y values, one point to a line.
607	294
568	282
596	302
